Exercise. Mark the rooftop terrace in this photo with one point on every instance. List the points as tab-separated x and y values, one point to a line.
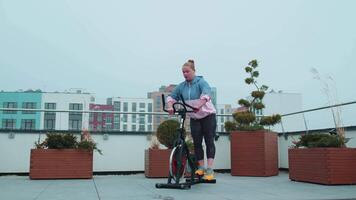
138	187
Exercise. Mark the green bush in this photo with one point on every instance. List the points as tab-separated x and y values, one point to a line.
65	141
167	132
60	141
320	140
230	126
89	145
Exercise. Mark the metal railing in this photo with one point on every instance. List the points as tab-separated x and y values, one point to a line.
221	118
10	115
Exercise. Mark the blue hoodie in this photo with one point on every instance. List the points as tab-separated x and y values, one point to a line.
192	92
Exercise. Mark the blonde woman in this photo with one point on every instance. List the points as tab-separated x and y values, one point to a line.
197	93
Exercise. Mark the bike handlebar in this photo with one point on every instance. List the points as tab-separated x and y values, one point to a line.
185	110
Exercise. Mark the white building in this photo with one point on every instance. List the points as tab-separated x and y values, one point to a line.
132	122
283	103
223	109
65	101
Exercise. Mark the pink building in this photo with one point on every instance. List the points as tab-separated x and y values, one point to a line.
101	121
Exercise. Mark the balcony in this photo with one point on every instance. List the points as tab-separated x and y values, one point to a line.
119	172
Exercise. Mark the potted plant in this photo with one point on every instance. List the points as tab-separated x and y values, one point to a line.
254	149
61	156
156	159
322	158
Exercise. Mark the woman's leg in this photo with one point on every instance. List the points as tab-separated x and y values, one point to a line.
209	128
197	136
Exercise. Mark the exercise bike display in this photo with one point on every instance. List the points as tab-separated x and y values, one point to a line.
180	157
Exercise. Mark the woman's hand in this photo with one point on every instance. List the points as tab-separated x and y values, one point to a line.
170	109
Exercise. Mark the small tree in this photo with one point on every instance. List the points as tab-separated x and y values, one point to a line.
246	119
167	132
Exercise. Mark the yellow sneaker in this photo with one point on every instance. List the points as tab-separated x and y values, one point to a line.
209	174
199	171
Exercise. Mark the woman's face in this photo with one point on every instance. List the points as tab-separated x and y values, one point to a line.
188	73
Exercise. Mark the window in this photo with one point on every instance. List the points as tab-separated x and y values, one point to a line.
126	107
125	127
75	106
28	105
133	118
116	118
149	109
75	118
149	118
91	117
134	107
75	124
50	117
100	117
108	120
142	119
133	127
124	118
116	126
9	123
142	105
49	123
9	105
117	106
28	124
49	120
141	127
149	128
50	106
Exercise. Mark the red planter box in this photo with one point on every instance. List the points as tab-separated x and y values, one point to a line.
254	153
61	164
331	166
157	163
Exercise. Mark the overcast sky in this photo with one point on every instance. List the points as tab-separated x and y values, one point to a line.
127	48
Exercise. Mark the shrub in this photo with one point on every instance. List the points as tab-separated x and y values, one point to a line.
167	132
67	141
320	140
246	120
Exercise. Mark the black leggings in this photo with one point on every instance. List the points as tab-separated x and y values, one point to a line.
200	128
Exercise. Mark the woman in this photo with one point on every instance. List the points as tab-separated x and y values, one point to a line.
197	93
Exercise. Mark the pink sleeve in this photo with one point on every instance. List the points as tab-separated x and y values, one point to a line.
205	97
170	100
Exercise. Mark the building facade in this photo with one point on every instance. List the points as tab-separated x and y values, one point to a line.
67	102
70	102
101	121
156	97
26	120
129	121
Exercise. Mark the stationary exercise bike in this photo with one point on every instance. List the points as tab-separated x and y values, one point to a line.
180	156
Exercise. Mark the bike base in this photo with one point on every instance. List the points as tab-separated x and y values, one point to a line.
182	186
200	180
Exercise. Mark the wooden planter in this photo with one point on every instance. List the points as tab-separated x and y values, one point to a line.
61	164
254	153
157	163
331	166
